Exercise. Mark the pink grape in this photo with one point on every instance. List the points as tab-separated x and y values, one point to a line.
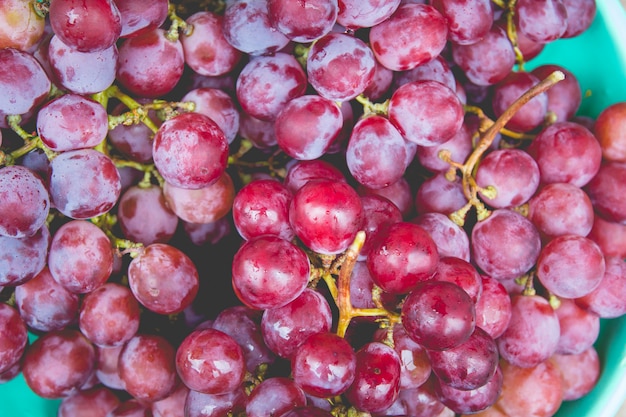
210	361
24	202
413	35
171	405
21	259
107	367
269	272
566	152
324	365
439	195
206	50
340	66
381	83
533	332
512	172
84	183
58	363
23	81
412	109
564	98
133	141
579	327
380	213
23	33
438	315
199	404
374	149
603	190
82	72
247	27
163	278
131	408
45	305
493	308
508	229
377	378
307	126
459	146
80	256
437	69
399	193
14	337
87	26
201	206
607	299
302	172
285	328
354	14
450	238
138	16
72	122
144	216
468	22
109	315
262	207
95	402
146	366
610	236
274	396
267	83
541	21
462	273
190	151
471	401
571	266
580	372
302	22
326	215
259	132
149	64
580	15
531	114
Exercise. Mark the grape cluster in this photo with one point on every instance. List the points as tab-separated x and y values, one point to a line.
304	208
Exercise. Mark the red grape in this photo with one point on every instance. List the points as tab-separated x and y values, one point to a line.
23	81
302	172
607	299
218	106
564	97
274	396
24	32
468	21
210	361
163	278
138	16
199	404
493	308
450	238
380	213
608	130
94	402
531	114
541	21
303	21
14	337
21	259
355	14
462	273
580	373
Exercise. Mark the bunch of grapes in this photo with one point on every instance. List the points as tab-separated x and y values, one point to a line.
304	208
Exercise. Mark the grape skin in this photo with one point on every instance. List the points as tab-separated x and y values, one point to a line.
23	81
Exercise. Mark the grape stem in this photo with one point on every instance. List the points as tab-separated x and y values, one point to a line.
31	142
470	188
346	311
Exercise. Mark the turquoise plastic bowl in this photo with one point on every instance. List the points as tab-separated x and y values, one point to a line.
598	59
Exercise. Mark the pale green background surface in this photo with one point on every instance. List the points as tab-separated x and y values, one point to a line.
598	59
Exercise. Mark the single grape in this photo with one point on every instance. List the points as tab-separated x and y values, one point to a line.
274	396
144	216
399	193
307	126
46	305
94	402
541	21
269	272
247	27
324	365
150	65
267	83
24	202
199	404
566	152
172	405
471	401
58	363
505	245
437	194
487	61
21	259
610	236
14	337
377	378
107	367
380	213
608	130
580	372
607	299
86	26
340	66
579	327
571	266
163	278
564	97
109	315
206	50
285	328
438	315
201	206
413	35
82	72
302	172
355	14
303	22
83	183
23	81
426	112
146	366
210	361
138	16
493	308
533	332
72	122
131	408
326	215
462	273
560	209
259	132
378	89
80	256
207	233
24	32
